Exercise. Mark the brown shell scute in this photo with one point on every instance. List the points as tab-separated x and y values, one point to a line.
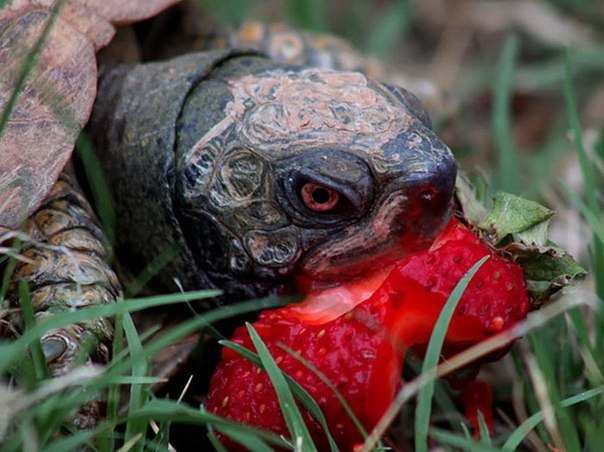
54	104
56	96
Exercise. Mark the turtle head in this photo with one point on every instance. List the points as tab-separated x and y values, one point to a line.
289	171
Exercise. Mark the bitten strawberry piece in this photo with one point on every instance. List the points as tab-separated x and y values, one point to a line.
477	396
358	343
352	354
497	295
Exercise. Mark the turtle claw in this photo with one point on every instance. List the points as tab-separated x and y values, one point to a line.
53	348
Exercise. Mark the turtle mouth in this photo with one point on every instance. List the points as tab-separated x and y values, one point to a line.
366	250
405	222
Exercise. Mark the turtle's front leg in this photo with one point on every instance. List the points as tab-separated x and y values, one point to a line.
67	268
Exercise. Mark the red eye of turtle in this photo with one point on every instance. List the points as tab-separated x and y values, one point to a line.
318	197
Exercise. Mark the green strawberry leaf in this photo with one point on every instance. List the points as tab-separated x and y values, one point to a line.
519	227
512	214
547	269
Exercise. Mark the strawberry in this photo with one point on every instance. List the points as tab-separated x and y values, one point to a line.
476	397
358	341
345	350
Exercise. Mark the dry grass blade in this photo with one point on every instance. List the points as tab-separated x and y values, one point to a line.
13	401
539	383
519	404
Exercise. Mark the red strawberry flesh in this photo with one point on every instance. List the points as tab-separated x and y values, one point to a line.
359	343
476	397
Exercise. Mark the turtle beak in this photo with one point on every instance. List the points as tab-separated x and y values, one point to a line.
422	171
429	201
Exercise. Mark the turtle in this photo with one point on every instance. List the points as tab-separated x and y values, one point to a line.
236	171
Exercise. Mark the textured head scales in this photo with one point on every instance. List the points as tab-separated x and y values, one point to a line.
251	151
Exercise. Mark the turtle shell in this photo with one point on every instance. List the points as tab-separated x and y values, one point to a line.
47	88
135	134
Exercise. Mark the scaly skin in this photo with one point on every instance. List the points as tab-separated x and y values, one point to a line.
69	269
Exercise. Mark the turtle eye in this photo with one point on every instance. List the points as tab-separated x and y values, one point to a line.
318	197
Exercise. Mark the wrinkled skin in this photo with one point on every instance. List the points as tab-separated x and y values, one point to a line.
262	172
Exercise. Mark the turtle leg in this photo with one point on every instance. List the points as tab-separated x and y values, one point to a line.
67	268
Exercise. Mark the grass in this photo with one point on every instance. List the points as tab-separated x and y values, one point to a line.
557	379
509	174
29	63
425	394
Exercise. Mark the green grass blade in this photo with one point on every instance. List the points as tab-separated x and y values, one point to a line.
123	352
599	146
215	441
138	392
466	431
29	63
424	398
520	433
293	418
37	355
591	355
75	440
132	380
582	330
250	442
103	198
589	178
595	222
171	411
8	270
229	12
442	396
347	408
152	269
587	167
12	352
392	25
466	444
117	369
594	219
114	391
308	14
299	392
485	435
502	130
566	427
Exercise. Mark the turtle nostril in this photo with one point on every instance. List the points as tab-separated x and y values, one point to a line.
428	194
